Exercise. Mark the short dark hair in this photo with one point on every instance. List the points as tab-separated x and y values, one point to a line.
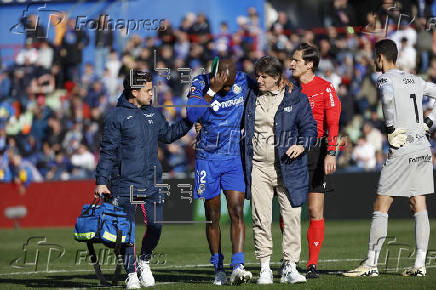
388	48
309	53
133	80
269	65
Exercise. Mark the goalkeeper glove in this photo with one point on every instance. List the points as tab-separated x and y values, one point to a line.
397	138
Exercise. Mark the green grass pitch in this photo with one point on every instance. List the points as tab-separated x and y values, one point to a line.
182	257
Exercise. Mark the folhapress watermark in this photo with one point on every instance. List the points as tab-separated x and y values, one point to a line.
106	23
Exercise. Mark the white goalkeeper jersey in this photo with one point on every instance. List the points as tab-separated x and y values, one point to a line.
401	94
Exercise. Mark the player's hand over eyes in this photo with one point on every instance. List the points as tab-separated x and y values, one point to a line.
294	151
217	82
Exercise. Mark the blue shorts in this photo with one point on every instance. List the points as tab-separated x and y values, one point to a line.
212	176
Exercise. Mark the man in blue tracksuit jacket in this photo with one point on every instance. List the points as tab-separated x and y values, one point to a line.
129	160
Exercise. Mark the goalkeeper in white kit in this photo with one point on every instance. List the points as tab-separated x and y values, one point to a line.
408	170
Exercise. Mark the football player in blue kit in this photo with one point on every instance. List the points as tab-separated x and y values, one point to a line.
216	100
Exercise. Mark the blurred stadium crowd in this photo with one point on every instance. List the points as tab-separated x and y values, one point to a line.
52	105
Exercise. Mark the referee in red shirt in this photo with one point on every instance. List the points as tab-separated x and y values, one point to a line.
326	109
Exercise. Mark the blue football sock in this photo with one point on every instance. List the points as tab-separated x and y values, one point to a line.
217	260
237	259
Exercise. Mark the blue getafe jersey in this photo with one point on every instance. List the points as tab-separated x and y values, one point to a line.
220	136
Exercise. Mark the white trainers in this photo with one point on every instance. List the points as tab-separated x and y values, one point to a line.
291	275
146	278
265	277
220	277
132	281
240	275
362	271
415	271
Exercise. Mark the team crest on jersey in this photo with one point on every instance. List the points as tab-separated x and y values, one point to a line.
236	89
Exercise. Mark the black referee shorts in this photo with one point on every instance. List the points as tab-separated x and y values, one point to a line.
318	181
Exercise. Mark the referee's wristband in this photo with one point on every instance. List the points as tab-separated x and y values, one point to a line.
210	92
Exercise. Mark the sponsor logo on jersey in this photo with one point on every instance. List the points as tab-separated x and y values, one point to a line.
423	158
381	81
408	81
332	100
129	117
149	115
234	102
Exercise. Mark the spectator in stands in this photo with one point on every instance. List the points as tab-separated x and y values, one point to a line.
406	56
5	85
44	159
89	76
339	13
282	24
60	168
372	136
73	43
45	55
27	54
424	45
83	161
35	32
103	43
364	154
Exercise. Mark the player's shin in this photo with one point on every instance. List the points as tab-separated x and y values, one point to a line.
377	236
422	234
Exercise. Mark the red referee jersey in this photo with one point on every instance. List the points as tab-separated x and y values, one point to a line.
326	108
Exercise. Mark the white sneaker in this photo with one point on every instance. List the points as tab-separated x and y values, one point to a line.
146	278
362	271
265	277
132	281
415	271
291	275
240	275
220	277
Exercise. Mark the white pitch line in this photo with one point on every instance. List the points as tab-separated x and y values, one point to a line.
172	267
